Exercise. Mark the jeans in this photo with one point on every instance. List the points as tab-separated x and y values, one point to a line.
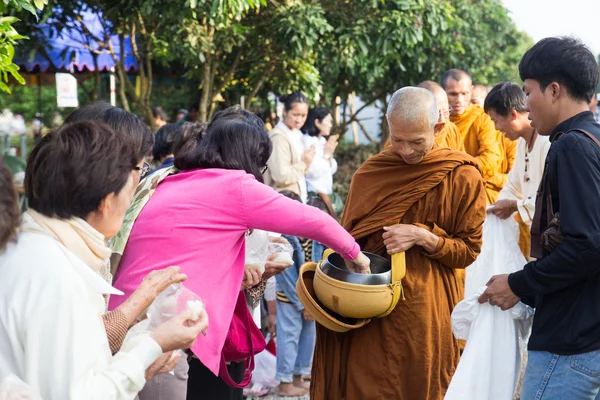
554	377
295	343
317	251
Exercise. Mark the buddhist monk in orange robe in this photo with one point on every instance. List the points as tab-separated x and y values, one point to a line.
429	202
448	136
497	182
480	137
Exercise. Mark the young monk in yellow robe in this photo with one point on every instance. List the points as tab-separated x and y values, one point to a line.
449	136
497	182
480	137
429	202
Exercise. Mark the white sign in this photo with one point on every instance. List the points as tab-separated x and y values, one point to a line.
66	90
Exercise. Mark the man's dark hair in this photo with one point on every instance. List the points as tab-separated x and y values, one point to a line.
72	169
291	195
316	114
505	97
168	138
9	209
564	60
195	107
159	112
235	139
120	120
455	74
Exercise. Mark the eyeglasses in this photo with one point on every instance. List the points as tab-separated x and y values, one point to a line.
143	169
264	169
445	113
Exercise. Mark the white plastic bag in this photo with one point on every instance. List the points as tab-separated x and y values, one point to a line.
284	252
257	250
265	368
13	388
490	365
172	301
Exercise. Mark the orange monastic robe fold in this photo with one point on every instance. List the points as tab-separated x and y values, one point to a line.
482	141
497	182
450	137
410	354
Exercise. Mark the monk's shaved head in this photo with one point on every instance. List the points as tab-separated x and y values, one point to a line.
479	94
414	105
458	86
440	96
456	75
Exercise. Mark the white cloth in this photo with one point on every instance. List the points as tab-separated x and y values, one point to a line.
490	365
319	178
51	332
296	138
516	188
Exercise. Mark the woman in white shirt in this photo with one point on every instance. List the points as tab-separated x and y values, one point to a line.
319	177
317	133
79	182
290	159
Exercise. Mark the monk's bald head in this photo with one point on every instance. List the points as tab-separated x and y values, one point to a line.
456	75
458	86
479	94
440	96
412	116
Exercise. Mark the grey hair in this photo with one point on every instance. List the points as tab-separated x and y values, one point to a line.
413	105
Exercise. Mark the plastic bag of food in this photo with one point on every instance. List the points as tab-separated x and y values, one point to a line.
257	250
172	301
284	252
13	388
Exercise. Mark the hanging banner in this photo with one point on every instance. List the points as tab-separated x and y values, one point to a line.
66	90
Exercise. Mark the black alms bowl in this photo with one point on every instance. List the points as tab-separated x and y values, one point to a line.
381	270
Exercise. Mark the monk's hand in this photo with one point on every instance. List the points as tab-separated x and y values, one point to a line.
499	293
361	264
503	209
402	237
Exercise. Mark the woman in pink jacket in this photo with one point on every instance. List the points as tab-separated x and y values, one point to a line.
197	219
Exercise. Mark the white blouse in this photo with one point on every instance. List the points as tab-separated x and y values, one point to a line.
517	187
51	332
319	178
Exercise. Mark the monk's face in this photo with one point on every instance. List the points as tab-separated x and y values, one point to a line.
459	95
442	101
411	141
507	124
478	96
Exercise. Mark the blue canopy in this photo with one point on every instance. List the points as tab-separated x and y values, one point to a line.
70	50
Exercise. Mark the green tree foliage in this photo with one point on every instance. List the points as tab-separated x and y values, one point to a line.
9	37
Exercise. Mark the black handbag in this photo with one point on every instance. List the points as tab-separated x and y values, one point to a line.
552	236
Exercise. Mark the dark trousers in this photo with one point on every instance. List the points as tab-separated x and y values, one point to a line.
204	385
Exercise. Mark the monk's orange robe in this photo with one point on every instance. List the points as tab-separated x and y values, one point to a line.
482	141
411	354
449	137
497	182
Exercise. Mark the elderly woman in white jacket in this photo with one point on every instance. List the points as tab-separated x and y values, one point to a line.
79	182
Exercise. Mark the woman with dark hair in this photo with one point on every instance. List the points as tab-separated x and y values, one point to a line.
9	209
79	184
290	161
198	219
319	178
166	142
139	133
